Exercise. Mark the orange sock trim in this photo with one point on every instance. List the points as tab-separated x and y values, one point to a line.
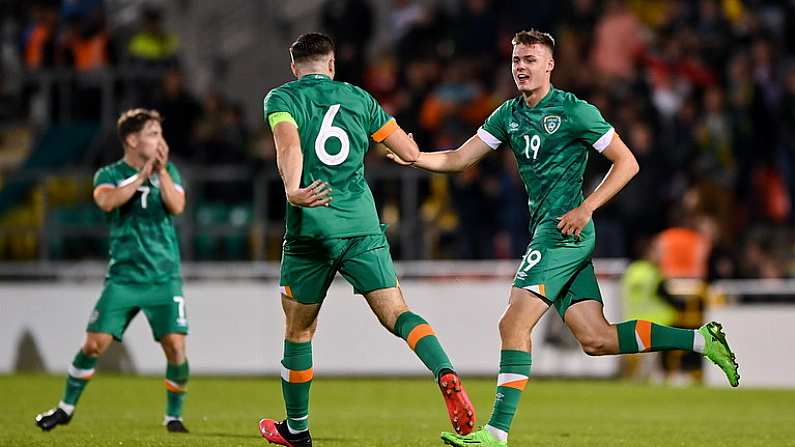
418	333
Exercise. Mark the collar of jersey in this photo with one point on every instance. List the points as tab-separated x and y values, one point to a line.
314	76
540	103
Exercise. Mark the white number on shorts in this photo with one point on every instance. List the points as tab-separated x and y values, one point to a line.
532	258
181	320
327	130
144	194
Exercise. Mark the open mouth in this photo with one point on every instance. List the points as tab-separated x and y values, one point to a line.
521	77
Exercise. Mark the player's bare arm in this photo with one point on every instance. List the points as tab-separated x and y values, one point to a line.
403	146
108	198
450	161
621	172
172	196
290	161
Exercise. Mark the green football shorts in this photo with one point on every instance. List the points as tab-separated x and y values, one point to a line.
163	304
558	268
309	266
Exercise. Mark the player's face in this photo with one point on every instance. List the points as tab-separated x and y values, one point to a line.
148	139
531	66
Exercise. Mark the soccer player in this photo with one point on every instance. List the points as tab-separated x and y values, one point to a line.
550	133
322	129
140	194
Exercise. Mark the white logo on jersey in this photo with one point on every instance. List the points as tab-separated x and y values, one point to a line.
514	125
552	123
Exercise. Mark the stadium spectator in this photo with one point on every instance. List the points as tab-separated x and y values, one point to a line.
152	45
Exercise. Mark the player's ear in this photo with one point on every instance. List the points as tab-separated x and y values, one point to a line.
294	69
550	65
331	66
132	140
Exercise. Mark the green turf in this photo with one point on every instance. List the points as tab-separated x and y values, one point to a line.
127	411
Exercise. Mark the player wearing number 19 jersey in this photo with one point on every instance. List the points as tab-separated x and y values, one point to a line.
551	132
139	195
322	129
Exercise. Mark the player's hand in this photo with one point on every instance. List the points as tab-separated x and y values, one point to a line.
394	157
572	223
161	156
314	195
146	171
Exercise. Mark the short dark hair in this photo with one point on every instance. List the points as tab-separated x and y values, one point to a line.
534	37
133	120
311	46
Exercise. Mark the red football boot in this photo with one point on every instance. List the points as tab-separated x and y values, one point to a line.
459	408
278	433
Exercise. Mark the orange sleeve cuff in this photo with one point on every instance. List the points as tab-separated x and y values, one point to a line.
385	131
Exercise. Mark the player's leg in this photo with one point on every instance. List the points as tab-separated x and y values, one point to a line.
307	271
165	309
297	374
176	381
583	313
367	266
109	319
524	310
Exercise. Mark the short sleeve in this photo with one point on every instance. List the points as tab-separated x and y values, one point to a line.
381	124
591	127
493	131
276	101
103	177
176	177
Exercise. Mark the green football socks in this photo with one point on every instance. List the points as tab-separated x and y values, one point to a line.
296	380
514	373
422	340
176	388
80	372
644	336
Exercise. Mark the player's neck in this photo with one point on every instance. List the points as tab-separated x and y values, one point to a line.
534	97
133	161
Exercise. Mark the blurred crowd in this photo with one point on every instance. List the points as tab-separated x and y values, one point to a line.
73	39
702	91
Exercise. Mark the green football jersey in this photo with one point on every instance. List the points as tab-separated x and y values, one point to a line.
336	121
143	240
551	143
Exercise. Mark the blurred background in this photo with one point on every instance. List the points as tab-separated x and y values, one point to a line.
702	91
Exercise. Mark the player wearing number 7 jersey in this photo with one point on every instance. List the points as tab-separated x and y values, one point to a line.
139	194
550	133
322	129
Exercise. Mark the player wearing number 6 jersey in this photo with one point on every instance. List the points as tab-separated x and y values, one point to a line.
551	133
322	129
139	194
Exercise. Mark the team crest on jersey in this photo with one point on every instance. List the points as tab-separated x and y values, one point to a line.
552	123
514	125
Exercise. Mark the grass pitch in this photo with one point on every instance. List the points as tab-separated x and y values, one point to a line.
127	411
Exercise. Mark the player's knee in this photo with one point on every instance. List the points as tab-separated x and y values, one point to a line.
174	347
594	345
93	347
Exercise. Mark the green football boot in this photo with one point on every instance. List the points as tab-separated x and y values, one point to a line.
716	348
480	437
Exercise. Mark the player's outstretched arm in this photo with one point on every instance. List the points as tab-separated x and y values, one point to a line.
448	161
624	167
290	161
108	197
173	197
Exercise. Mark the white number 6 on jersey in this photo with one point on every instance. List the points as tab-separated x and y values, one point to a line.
327	130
